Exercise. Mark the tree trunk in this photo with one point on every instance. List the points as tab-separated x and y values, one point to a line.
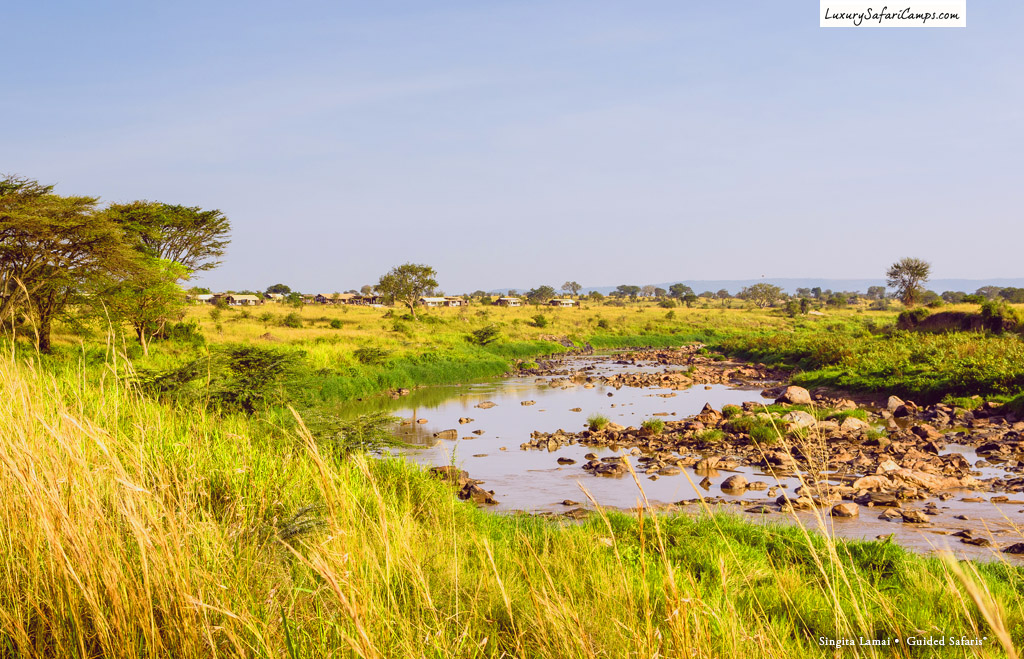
44	334
412	309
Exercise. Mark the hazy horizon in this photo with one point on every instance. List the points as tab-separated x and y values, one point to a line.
591	141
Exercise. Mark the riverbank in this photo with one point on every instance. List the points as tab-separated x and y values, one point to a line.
178	532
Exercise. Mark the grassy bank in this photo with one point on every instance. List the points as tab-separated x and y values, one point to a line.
871	358
132	529
351	352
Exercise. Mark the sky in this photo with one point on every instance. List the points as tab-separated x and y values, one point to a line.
515	144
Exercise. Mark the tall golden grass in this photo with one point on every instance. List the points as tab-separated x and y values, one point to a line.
131	529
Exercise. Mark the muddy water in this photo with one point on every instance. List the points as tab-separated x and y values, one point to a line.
534	481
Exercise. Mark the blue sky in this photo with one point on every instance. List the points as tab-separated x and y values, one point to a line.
527	143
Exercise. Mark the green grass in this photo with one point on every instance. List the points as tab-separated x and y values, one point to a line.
597	422
150	530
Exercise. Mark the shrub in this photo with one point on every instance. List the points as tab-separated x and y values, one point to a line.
187	333
371	356
671	315
292	320
998	316
597	422
540	320
603	324
484	335
711	435
667	304
216	312
653	426
336	324
910	318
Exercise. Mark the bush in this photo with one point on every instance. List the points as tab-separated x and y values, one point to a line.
336	324
187	333
998	316
597	422
540	320
667	304
910	318
653	426
671	315
371	356
292	320
603	324
484	335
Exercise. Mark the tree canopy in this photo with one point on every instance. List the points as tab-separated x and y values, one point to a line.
407	283
52	250
907	277
188	235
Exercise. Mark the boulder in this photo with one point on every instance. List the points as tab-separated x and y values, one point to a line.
486	405
845	510
893	403
853	424
734	484
914	517
794	396
451	474
447	434
798	419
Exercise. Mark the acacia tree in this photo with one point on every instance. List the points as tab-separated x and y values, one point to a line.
906	276
148	297
679	291
407	283
188	235
572	288
53	249
540	295
762	295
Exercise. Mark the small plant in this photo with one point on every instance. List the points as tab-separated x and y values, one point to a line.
540	320
603	324
671	315
729	411
216	313
653	426
336	324
764	433
292	320
266	317
711	435
597	422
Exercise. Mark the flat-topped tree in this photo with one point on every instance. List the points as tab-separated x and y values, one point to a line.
188	235
53	249
407	283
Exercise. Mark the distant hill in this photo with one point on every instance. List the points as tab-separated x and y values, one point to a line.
790	285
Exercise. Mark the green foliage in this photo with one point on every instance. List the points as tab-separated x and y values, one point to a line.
911	318
250	378
602	323
597	422
335	324
654	426
371	355
729	411
711	435
540	320
407	283
906	276
485	335
292	320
